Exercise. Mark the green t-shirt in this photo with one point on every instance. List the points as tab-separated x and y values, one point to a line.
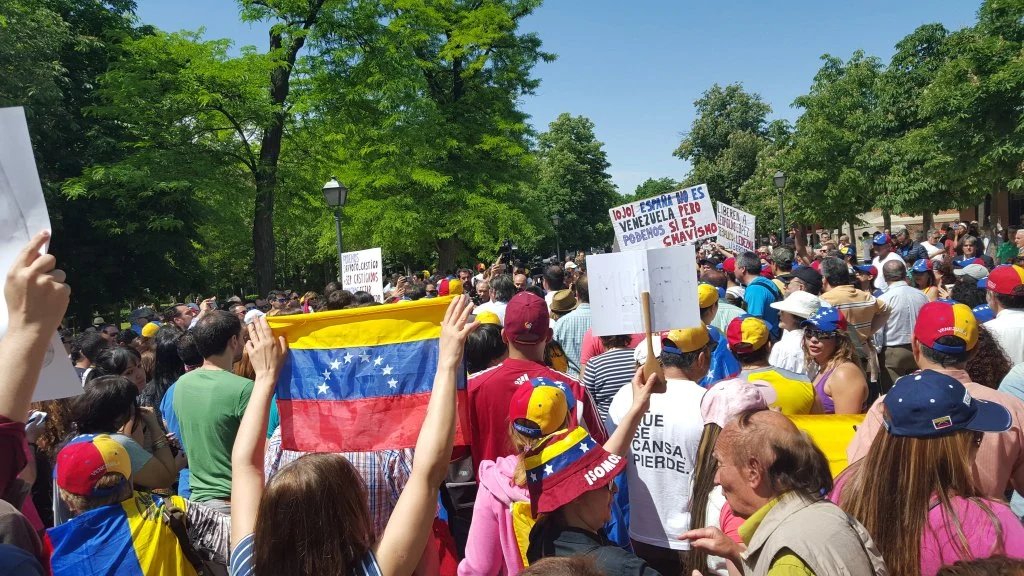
209	405
1006	253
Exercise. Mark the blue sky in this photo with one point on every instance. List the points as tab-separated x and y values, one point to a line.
635	67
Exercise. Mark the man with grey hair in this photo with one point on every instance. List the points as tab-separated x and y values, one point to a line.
895	357
973	250
782	266
907	249
933	243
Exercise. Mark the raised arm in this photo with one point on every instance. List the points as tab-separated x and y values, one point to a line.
406	534
37	299
267	355
619	441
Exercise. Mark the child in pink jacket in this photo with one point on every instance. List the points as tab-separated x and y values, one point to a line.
491	548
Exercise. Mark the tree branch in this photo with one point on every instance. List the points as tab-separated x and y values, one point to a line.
240	131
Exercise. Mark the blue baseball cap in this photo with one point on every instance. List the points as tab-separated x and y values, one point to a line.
922	265
927	403
983	313
826	319
881	239
866	269
967	262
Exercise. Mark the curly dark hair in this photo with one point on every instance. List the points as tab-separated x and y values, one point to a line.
989	364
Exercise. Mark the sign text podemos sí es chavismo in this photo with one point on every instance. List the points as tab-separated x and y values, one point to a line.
679	217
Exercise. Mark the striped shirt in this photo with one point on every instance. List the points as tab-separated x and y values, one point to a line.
606	373
242	563
569	333
858	306
385	473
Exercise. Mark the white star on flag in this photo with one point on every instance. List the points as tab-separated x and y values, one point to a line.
378	360
322	389
364	357
387	370
327	374
533	476
548	470
335	364
584	447
348	358
393	383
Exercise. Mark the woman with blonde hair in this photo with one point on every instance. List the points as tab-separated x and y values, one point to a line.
924	454
840	383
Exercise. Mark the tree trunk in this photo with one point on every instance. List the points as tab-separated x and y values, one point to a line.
849	232
448	254
886	220
928	221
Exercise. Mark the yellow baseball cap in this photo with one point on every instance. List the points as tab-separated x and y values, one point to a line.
747	333
685	340
707	295
488	317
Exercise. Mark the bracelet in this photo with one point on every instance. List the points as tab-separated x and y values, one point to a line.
159	444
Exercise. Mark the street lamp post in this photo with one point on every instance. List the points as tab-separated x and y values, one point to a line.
780	183
556	220
335	193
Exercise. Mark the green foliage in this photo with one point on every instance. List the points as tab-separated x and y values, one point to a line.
434	147
724	140
650	187
574	182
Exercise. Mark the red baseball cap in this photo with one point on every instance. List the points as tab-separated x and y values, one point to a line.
946	318
83	462
526	319
1008	280
729	265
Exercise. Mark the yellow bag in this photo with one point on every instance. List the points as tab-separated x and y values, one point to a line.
522	524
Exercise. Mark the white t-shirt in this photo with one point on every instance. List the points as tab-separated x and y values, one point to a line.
880	283
788	352
496	307
661	461
1008	329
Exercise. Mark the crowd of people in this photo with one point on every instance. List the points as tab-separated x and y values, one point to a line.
171	459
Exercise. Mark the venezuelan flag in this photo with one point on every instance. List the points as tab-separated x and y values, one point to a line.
359	380
126	539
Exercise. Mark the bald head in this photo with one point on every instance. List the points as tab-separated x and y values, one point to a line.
785	457
894	271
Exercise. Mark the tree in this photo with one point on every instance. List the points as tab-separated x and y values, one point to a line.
574	181
974	104
724	140
431	140
649	188
830	175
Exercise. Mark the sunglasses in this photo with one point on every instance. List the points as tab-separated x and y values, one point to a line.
819	334
282	299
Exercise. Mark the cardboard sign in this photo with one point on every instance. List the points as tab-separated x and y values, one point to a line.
618	278
22	215
364	270
735	229
671	219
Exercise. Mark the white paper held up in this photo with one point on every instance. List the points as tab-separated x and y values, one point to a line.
22	215
617	279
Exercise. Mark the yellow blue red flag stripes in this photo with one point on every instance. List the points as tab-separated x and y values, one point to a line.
359	380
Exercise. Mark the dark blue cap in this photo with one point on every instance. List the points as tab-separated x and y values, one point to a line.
927	403
922	265
983	313
880	239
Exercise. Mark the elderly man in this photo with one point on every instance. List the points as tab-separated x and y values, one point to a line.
903	301
907	249
773	476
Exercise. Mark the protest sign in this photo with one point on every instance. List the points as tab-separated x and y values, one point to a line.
735	229
23	215
670	219
364	270
618	278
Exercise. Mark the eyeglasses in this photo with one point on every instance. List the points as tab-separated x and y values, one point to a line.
282	299
819	334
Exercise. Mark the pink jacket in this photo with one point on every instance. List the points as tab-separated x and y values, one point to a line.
491	548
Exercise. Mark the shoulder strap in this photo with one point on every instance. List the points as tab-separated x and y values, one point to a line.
175	519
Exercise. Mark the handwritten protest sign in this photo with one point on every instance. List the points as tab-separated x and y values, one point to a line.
22	215
735	229
618	278
670	219
364	270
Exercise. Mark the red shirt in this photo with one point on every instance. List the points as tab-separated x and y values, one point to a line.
12	452
490	393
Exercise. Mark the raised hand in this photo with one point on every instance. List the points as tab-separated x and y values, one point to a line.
266	353
455	329
36	294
